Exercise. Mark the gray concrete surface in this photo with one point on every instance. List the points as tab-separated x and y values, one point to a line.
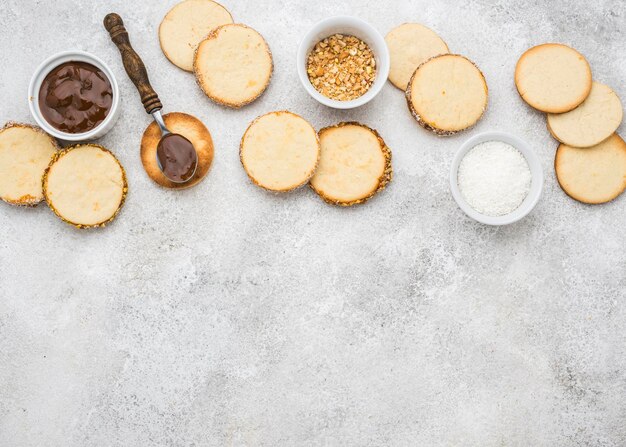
225	315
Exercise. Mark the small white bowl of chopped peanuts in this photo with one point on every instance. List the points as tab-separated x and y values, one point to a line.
343	62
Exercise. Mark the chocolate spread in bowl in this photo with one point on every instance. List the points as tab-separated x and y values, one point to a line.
75	97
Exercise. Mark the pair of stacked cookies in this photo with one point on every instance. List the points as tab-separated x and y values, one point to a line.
446	93
85	185
232	62
582	115
345	164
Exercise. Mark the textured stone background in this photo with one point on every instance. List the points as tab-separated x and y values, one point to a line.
225	315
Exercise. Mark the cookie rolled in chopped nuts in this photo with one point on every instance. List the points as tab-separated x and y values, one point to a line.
341	67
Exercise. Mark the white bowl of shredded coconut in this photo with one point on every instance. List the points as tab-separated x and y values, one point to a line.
496	178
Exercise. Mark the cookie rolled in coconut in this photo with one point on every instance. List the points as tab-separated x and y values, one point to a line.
411	44
553	78
447	94
189	127
355	164
184	27
233	65
25	152
85	185
594	174
591	122
280	151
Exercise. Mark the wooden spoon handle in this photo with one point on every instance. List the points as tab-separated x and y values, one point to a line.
133	64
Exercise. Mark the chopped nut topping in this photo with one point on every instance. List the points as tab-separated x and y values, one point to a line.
341	67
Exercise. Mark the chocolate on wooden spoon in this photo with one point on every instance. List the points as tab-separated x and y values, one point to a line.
176	156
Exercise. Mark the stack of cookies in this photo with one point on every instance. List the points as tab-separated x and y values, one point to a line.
582	115
446	93
232	62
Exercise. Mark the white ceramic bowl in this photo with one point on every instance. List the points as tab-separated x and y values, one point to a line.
351	26
536	172
46	67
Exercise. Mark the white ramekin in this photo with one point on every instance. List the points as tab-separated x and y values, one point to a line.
536	172
46	67
351	26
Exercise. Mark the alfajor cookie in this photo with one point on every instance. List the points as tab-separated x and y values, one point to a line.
186	25
25	152
594	174
447	94
85	185
553	78
355	164
280	151
233	65
411	44
591	122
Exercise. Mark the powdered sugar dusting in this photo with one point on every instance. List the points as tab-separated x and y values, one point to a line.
494	178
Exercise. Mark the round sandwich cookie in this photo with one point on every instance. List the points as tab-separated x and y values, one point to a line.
553	78
25	152
189	127
411	44
447	94
355	164
596	119
184	27
279	151
85	185
233	65
594	174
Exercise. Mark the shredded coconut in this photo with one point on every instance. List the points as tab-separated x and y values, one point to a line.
494	178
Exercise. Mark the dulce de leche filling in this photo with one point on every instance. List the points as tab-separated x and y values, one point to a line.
177	156
75	97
